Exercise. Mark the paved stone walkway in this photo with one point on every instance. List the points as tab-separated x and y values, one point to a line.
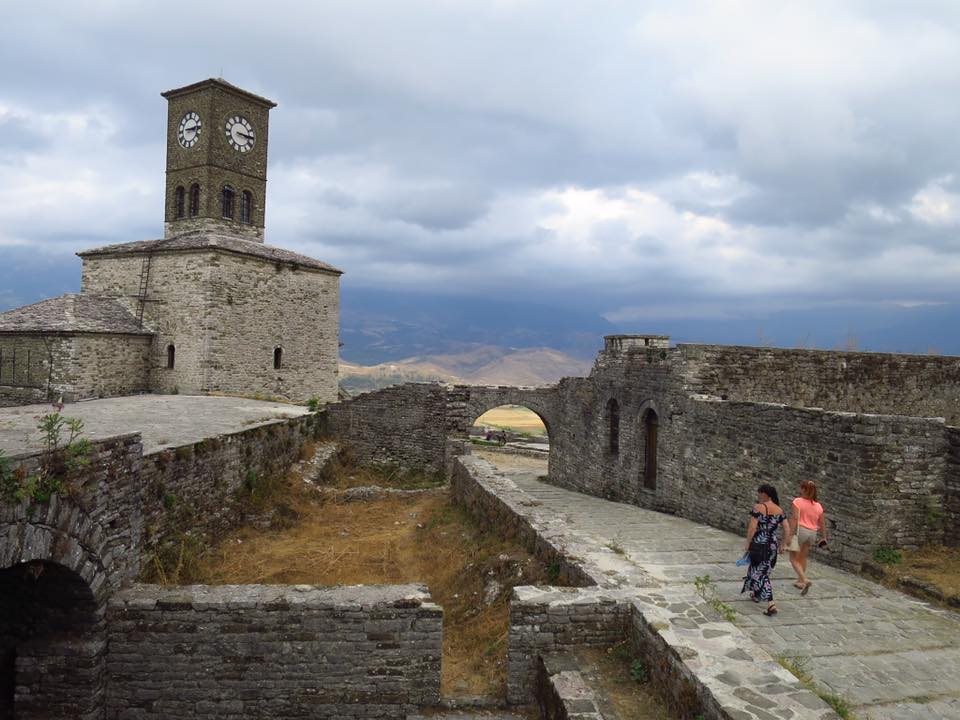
889	655
164	420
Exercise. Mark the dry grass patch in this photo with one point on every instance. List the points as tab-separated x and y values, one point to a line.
933	565
421	538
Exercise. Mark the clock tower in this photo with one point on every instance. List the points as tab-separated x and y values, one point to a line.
216	160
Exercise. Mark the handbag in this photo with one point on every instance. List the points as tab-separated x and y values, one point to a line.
794	544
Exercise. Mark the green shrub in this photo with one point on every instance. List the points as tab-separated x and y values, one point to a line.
887	556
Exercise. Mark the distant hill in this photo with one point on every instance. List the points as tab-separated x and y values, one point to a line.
381	326
482	365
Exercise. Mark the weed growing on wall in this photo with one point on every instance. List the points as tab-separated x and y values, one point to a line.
60	462
708	591
887	556
800	668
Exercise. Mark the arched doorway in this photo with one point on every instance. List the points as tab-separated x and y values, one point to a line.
649	425
513	436
52	645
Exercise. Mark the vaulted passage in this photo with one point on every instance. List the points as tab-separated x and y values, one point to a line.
52	645
515	428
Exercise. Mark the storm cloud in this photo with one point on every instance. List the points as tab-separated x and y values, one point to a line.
640	159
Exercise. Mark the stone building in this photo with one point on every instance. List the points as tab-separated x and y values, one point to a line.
207	308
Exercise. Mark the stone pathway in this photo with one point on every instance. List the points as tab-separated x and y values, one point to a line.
889	655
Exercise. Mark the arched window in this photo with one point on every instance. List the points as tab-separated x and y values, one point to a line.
613	425
277	358
226	204
246	206
171	356
194	200
650	423
180	197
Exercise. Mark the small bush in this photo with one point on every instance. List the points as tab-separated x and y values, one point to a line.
553	571
887	556
314	404
638	671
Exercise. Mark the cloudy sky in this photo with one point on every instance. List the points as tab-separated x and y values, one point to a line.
640	159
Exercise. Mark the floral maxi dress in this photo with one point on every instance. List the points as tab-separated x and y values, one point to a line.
763	556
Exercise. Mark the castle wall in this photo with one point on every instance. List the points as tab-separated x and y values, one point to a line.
273	651
952	489
885	383
257	306
405	424
201	487
880	478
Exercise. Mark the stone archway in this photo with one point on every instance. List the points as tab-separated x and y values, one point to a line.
52	644
58	567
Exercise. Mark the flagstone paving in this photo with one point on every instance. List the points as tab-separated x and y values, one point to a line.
889	655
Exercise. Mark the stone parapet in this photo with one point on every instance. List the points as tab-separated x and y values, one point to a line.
273	651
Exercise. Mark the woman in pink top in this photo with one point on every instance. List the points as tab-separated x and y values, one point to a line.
806	520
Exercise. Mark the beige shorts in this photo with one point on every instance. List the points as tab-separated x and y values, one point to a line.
806	535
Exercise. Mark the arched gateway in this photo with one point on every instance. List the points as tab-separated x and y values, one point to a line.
60	560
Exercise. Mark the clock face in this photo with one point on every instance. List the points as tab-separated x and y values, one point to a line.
240	133
189	131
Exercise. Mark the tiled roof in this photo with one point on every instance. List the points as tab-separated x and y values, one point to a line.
202	240
72	313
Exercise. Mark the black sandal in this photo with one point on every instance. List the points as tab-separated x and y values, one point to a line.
770	611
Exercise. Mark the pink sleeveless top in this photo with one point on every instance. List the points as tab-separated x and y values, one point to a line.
809	512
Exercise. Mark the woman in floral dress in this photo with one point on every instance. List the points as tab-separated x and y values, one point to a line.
763	546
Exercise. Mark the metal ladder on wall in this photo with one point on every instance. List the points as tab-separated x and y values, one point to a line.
144	282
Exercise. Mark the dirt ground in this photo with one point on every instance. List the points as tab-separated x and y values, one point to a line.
622	685
417	537
512	417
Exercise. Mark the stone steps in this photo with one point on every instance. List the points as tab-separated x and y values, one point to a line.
471	715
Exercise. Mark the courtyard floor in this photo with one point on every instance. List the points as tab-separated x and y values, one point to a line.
163	420
887	654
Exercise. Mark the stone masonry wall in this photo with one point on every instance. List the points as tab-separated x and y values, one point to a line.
405	424
177	310
59	561
225	314
273	651
952	489
25	367
880	478
258	306
885	383
108	365
38	368
200	486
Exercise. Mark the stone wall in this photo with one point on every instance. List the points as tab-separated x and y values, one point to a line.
259	306
28	367
108	365
201	487
38	368
885	383
405	424
273	651
225	314
952	488
880	478
59	561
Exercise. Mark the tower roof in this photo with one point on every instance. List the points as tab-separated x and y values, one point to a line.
201	240
221	84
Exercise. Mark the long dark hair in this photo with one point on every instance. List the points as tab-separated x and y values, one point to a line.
771	492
